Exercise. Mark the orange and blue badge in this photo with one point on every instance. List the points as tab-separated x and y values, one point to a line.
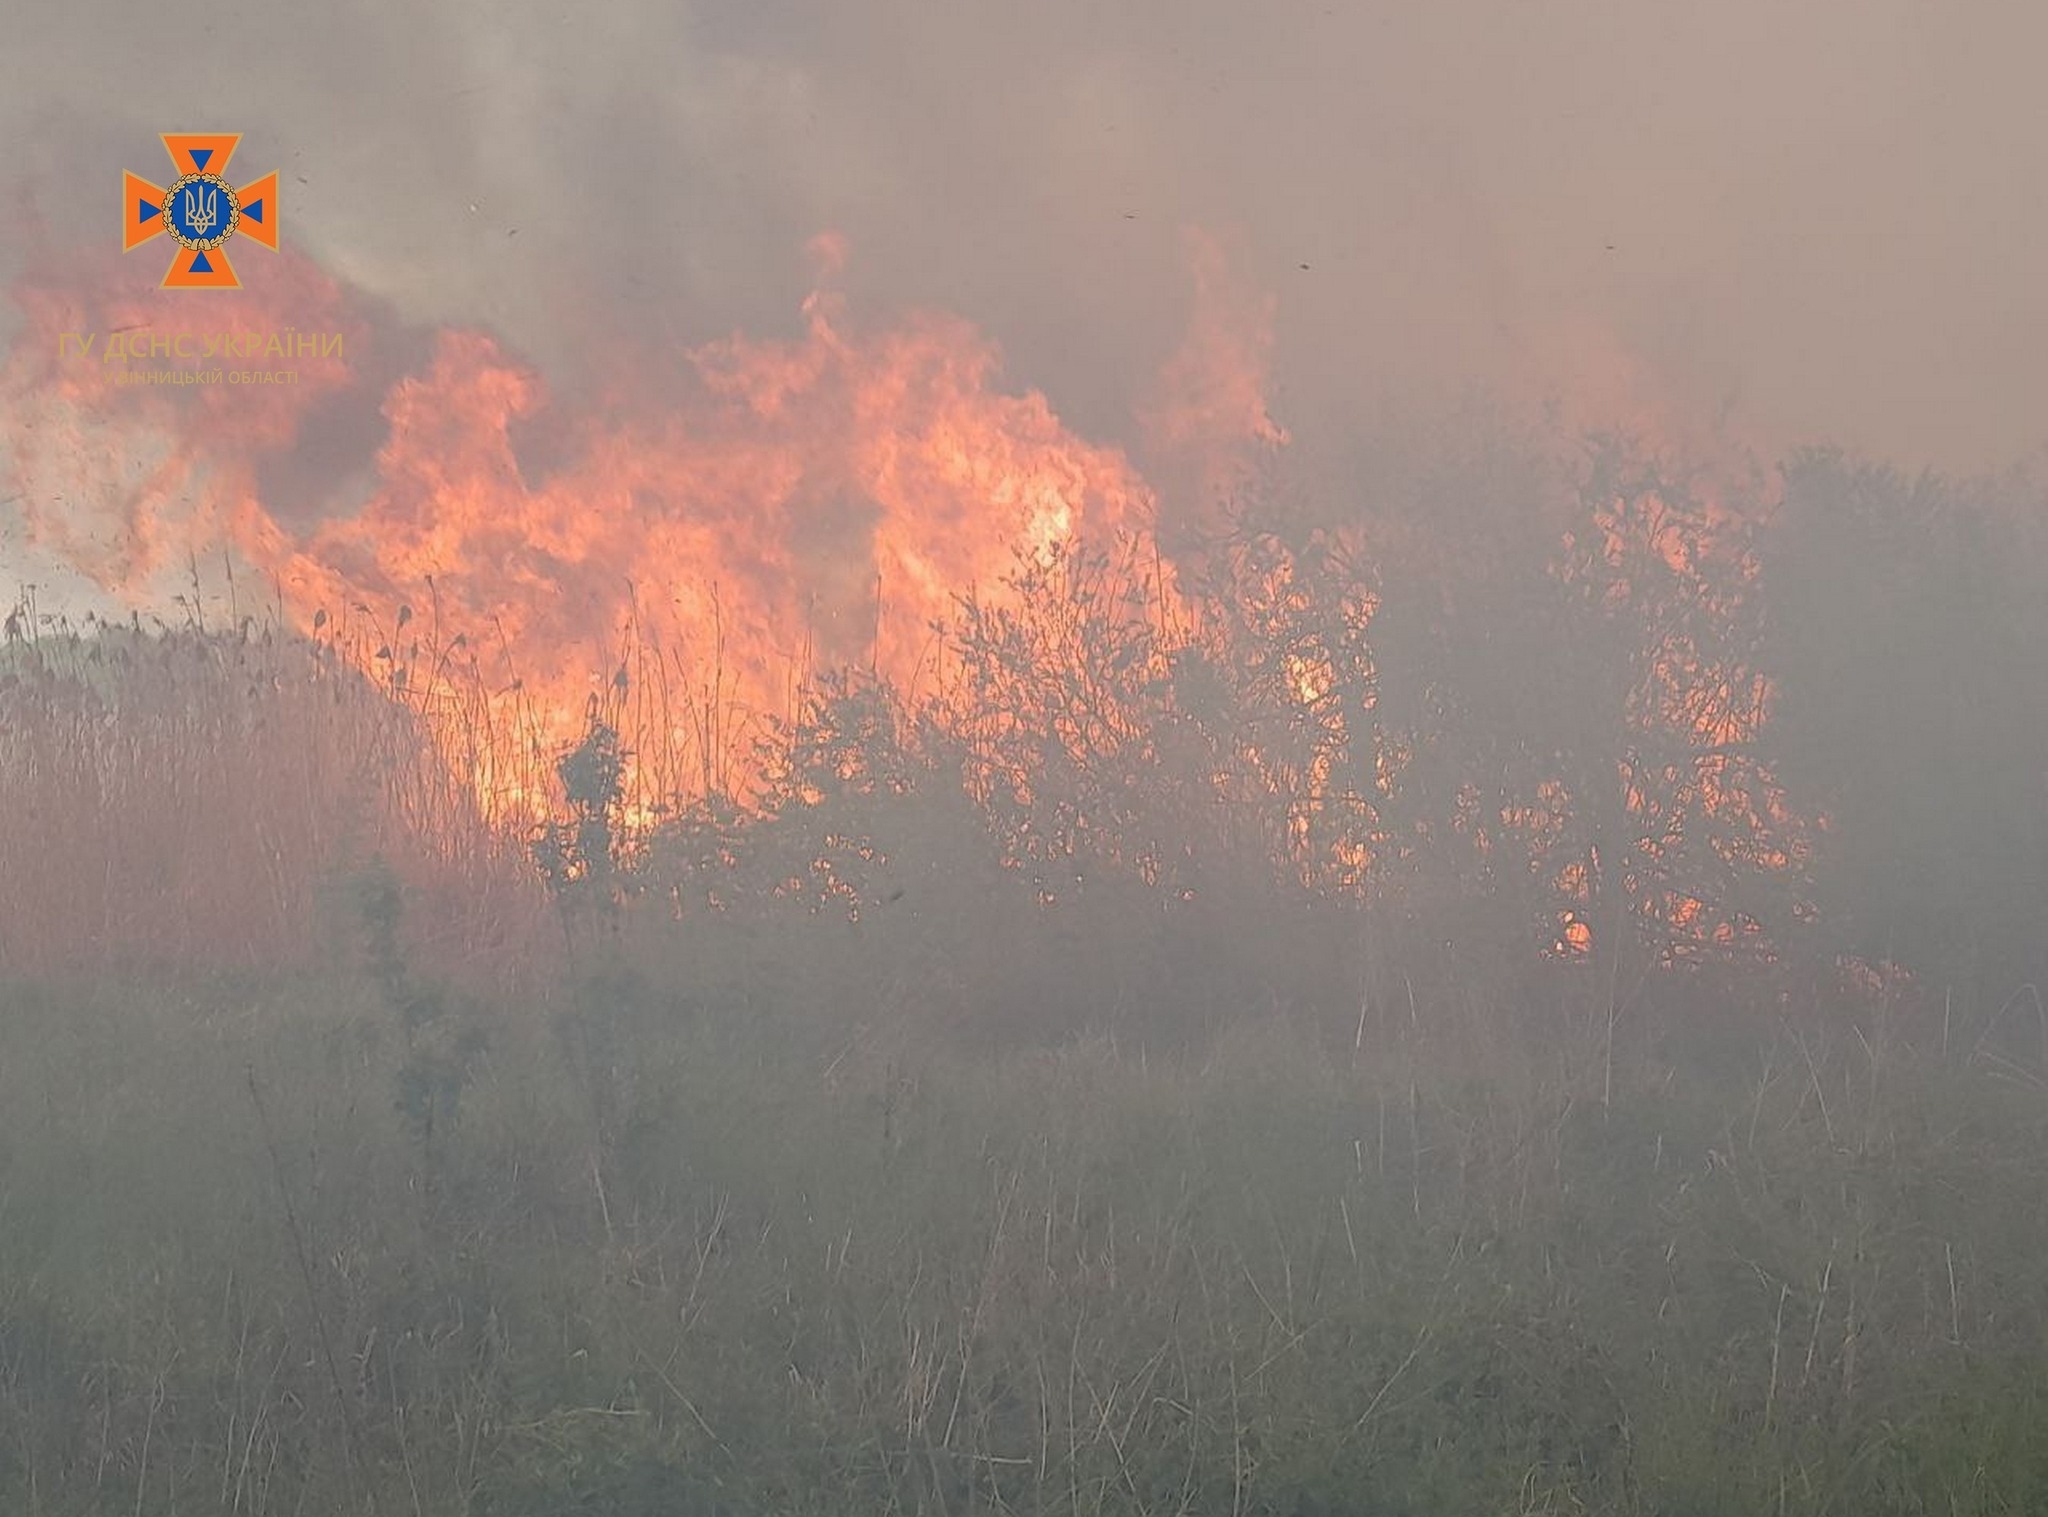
200	210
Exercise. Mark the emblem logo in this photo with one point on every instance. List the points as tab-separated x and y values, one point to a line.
200	211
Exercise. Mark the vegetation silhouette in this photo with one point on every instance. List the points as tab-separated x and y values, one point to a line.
1519	1001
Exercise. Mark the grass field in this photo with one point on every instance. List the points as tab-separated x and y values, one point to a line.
1293	1074
271	1244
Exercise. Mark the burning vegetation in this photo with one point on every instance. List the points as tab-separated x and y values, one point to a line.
820	573
825	911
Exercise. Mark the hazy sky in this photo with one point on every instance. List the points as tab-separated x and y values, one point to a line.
1823	220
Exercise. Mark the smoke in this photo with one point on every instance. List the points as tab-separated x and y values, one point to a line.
1791	223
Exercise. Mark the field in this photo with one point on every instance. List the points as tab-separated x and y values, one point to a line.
664	1257
928	1132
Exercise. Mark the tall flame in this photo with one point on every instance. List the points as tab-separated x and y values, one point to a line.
687	553
757	512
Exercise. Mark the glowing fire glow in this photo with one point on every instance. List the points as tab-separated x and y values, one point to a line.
779	509
689	557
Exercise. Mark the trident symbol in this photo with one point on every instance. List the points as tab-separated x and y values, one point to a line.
200	210
201	207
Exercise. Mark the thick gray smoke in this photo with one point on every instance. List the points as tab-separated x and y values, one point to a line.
1821	221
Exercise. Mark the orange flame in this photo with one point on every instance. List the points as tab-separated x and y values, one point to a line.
688	556
765	510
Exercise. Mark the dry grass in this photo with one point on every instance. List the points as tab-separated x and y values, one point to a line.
922	1145
182	800
661	1261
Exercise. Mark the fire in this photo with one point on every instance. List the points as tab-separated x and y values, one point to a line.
125	481
683	558
1207	424
764	511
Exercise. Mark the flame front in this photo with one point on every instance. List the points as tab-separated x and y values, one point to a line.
765	511
686	556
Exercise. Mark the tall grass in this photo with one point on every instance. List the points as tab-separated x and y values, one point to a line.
183	799
662	1261
1148	1076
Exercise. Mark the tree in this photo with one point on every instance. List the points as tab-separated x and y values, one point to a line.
1907	637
